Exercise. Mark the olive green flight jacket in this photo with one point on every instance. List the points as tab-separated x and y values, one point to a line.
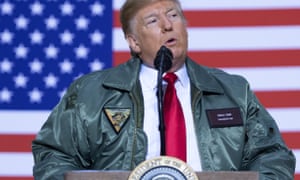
98	125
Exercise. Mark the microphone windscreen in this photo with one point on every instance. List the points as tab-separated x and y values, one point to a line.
163	59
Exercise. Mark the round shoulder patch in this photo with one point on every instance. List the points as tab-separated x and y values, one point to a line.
163	168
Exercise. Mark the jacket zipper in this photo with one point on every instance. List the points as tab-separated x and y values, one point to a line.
197	96
135	129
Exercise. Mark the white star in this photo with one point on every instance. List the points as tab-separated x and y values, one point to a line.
81	23
36	8
20	80
96	65
6	36
67	8
97	9
36	37
6	66
97	37
81	52
51	51
51	22
50	81
21	51
7	8
35	95
5	95
66	66
66	37
21	22
36	66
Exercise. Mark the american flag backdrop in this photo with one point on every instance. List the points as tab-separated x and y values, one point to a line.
46	44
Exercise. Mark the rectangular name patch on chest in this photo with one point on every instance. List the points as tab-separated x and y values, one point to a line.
227	117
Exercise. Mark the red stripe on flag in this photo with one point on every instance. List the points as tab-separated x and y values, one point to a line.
215	18
292	139
120	57
258	58
279	99
16	142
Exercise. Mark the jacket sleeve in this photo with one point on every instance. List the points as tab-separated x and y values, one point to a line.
265	150
56	148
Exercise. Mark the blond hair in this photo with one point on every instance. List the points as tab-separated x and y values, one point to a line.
131	7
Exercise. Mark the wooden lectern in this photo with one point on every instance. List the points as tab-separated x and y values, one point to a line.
123	175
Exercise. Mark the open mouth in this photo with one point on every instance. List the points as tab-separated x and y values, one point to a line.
170	41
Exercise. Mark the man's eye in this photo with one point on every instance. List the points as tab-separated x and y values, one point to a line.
173	15
151	21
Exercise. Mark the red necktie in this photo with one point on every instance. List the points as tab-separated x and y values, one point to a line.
174	121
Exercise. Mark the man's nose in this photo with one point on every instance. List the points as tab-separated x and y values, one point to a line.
166	24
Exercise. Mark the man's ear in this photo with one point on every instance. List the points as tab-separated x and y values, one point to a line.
133	43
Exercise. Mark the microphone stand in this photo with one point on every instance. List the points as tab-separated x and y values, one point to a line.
162	62
160	109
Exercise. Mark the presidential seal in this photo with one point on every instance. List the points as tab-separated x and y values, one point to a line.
163	168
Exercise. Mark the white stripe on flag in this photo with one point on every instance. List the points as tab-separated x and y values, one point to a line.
16	164
229	4
286	118
270	78
232	38
22	122
297	155
244	38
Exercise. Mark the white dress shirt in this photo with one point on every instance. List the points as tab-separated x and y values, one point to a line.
148	79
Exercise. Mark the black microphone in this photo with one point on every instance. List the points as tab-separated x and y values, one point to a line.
163	59
162	62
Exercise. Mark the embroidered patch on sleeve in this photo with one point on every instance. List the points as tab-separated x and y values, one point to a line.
117	117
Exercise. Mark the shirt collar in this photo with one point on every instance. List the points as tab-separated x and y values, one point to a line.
182	76
148	76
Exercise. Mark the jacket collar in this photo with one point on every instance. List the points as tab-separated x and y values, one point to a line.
202	77
125	76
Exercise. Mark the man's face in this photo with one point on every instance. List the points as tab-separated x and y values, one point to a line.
157	24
